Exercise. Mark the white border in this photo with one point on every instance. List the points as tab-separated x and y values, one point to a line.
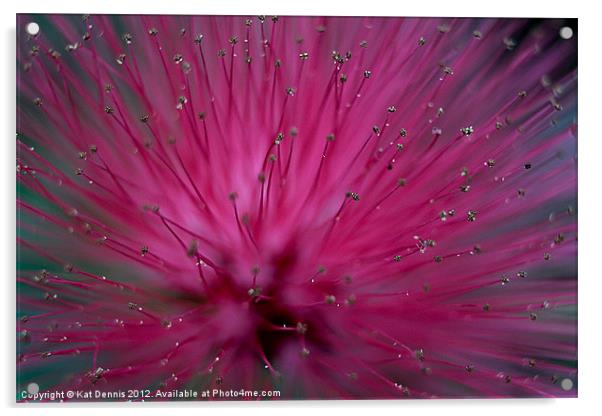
590	202
506	8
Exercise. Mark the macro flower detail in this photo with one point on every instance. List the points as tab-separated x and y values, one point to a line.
327	207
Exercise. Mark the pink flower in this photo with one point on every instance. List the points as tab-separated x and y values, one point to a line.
327	207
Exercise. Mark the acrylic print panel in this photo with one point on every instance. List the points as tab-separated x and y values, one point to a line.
277	208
